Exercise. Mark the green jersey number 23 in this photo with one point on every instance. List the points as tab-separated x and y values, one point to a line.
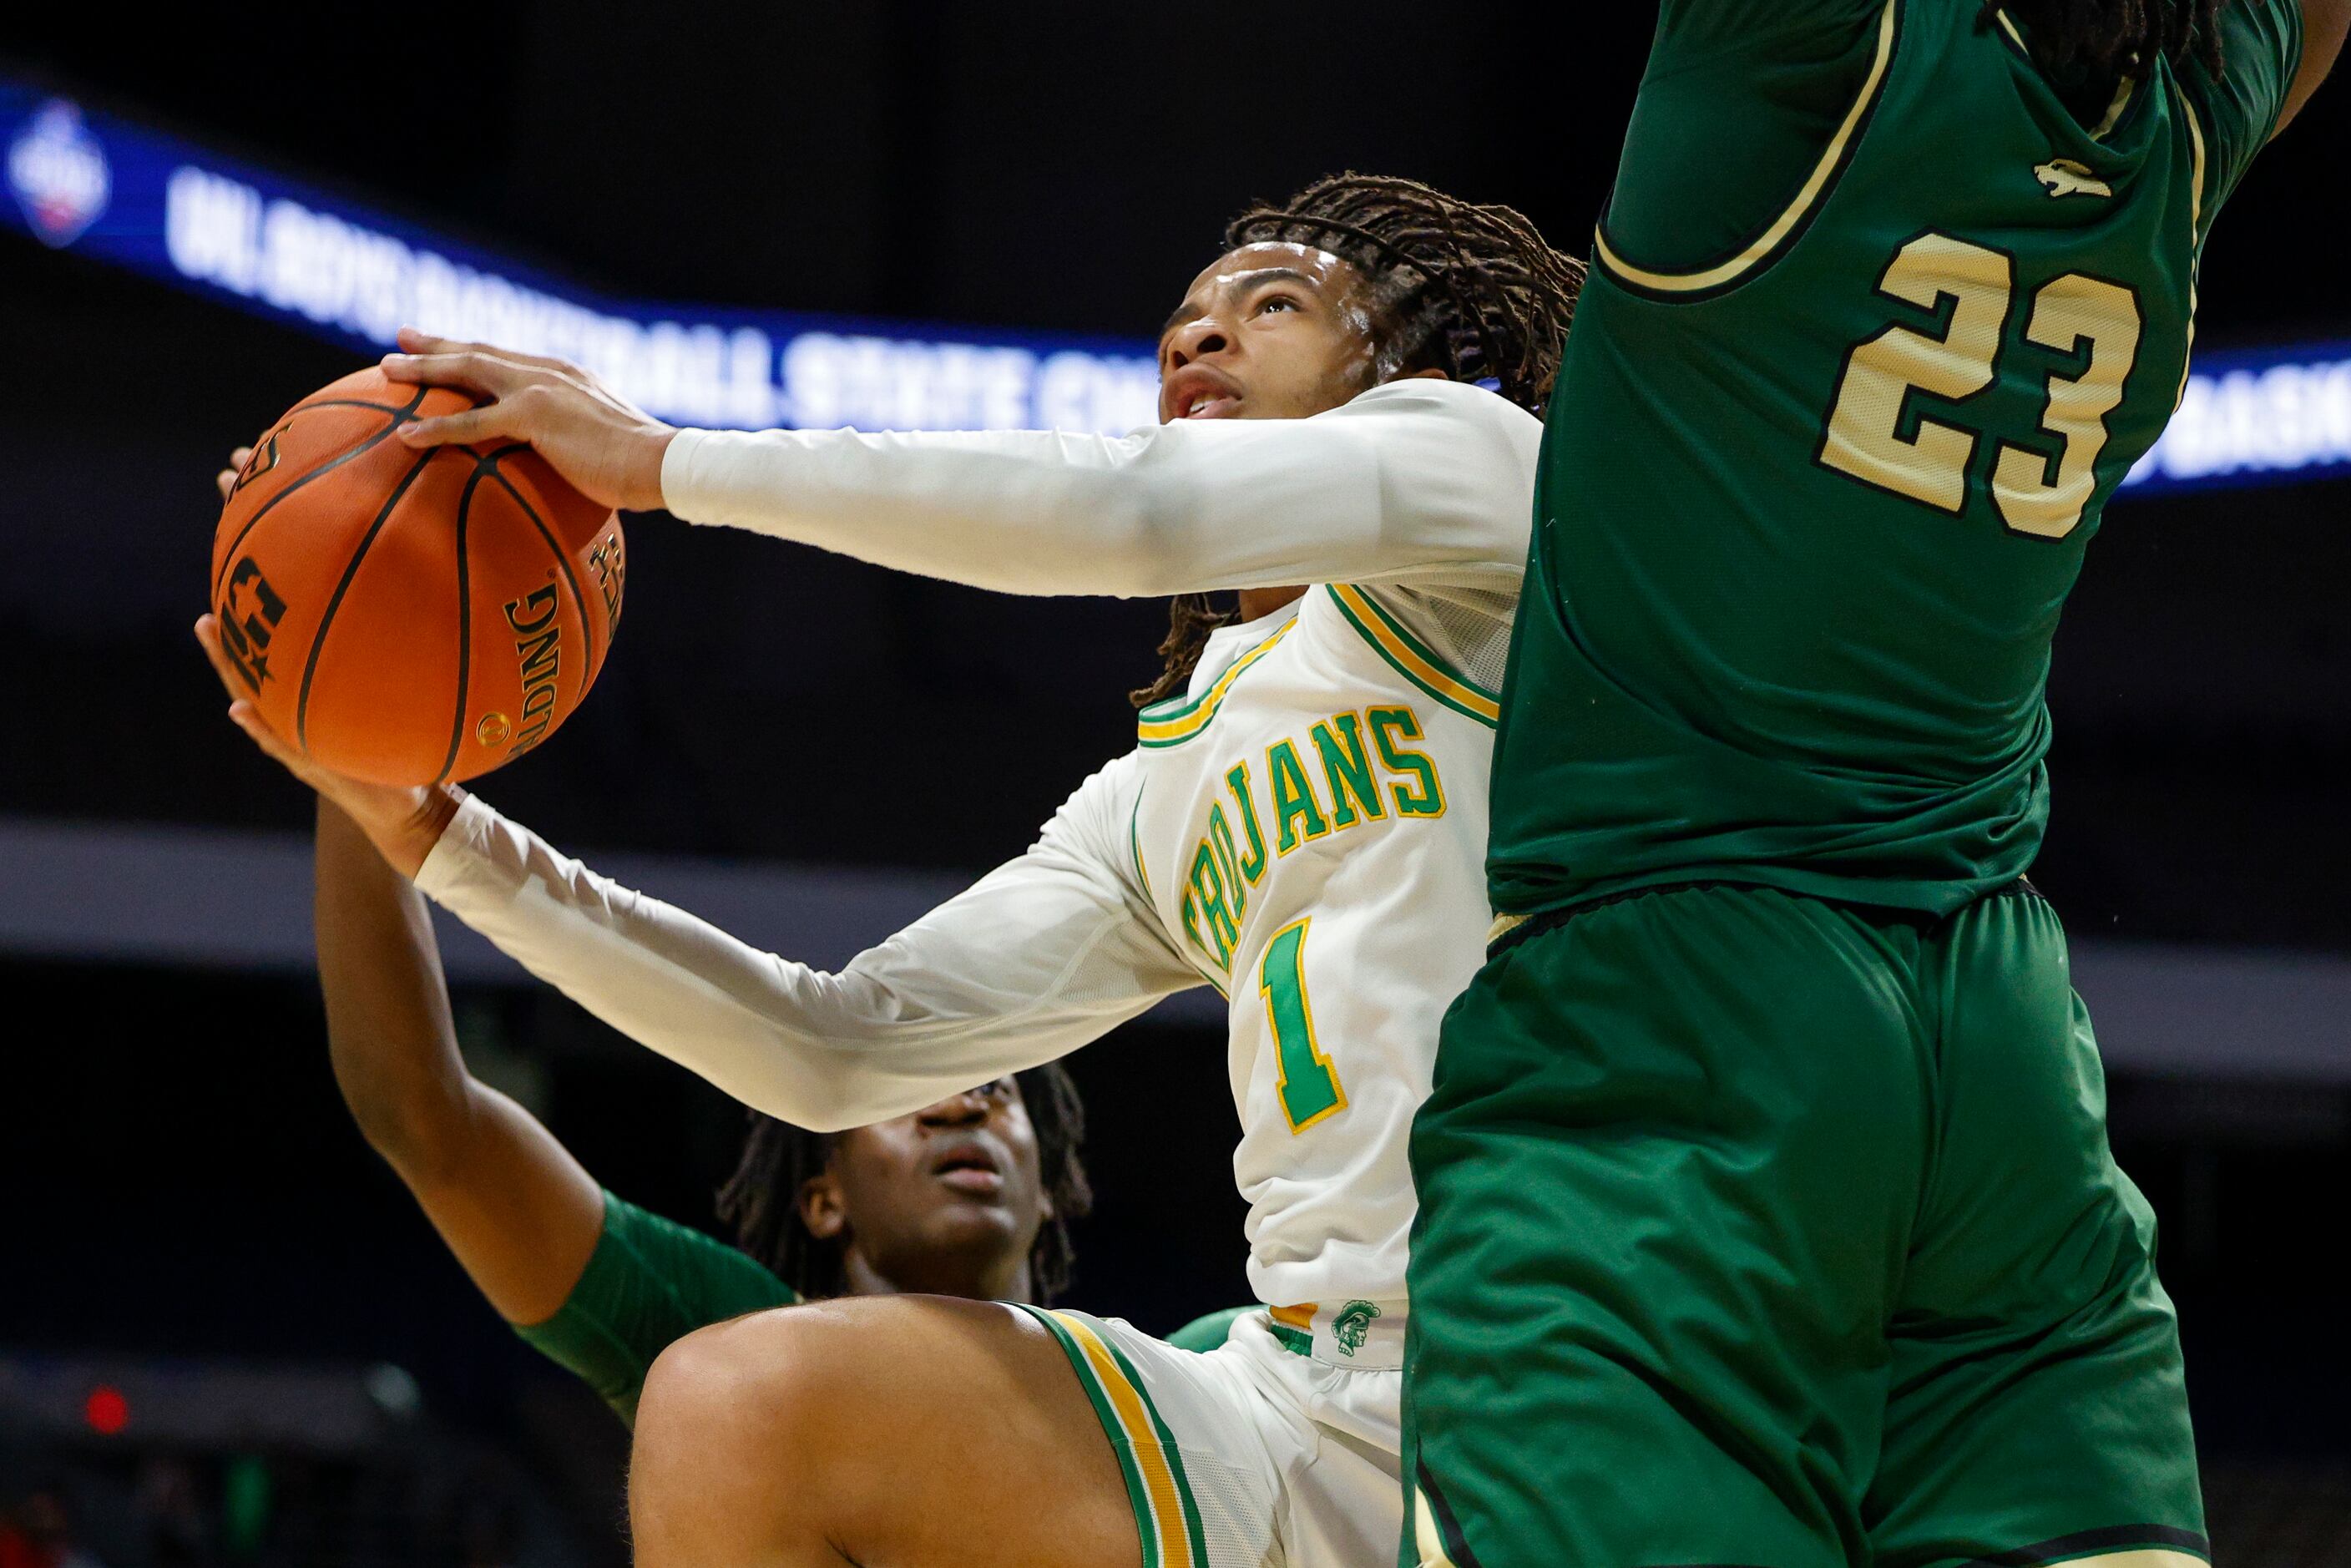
2037	494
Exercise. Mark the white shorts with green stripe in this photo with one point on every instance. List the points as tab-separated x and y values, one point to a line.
1273	1449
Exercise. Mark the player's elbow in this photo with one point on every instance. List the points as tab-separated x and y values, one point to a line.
1147	544
815	1090
425	1143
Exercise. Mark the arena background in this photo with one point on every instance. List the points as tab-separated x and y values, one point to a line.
225	1336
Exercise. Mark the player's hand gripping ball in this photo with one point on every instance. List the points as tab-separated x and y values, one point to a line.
409	616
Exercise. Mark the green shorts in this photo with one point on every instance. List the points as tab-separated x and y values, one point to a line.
1761	1230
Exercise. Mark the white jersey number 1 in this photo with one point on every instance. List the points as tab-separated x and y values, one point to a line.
1308	1083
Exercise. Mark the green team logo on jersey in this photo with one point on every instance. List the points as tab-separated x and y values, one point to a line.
1353	1326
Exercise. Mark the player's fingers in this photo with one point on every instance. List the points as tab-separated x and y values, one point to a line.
226	477
208	637
474	424
248	717
476	370
413	341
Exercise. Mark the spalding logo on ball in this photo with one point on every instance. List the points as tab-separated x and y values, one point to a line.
405	616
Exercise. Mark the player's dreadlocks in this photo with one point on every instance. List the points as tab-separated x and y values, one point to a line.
2112	38
1469	289
761	1200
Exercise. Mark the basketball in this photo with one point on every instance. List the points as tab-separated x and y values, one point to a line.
410	616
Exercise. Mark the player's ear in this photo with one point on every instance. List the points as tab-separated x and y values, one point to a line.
821	1207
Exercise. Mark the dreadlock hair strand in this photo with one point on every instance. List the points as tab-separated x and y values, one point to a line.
761	1200
2116	38
1191	617
1470	289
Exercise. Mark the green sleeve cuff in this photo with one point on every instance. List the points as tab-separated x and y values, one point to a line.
650	1283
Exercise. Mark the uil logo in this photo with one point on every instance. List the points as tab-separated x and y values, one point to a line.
249	612
1352	1326
58	171
2064	177
605	562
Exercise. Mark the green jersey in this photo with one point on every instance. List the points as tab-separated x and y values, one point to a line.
1880	316
652	1280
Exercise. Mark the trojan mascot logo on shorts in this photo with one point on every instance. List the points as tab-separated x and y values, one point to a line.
249	610
1352	1326
59	173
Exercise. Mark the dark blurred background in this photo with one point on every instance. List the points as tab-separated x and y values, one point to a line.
183	1187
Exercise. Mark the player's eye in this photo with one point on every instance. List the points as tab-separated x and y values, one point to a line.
1273	302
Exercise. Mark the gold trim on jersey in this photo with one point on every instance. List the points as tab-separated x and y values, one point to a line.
1388	638
2195	242
1165	1511
1173	727
2115	110
1426	1537
1772	238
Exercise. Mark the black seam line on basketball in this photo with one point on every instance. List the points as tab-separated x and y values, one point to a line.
464	629
2117	1535
326	622
229	556
408	407
1448	1528
562	558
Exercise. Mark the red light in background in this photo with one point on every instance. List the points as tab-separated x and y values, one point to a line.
106	1410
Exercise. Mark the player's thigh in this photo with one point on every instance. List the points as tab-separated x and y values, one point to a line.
1665	1175
2038	1410
908	1430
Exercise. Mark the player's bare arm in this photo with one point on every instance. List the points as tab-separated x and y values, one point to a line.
519	1211
2325	24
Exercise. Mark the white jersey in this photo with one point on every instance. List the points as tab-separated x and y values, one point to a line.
1304	829
1310	836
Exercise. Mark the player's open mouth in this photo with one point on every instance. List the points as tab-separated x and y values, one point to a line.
1200	392
970	1169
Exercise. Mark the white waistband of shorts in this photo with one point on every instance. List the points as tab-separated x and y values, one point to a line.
1353	1333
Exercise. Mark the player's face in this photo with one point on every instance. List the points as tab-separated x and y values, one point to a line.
1269	331
948	1199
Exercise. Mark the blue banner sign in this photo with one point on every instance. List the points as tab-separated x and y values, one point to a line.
2253	416
164	207
126	194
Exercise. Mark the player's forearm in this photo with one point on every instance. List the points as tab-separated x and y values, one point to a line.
957	999
390	1035
1386	490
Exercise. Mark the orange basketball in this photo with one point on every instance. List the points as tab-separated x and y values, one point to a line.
410	616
